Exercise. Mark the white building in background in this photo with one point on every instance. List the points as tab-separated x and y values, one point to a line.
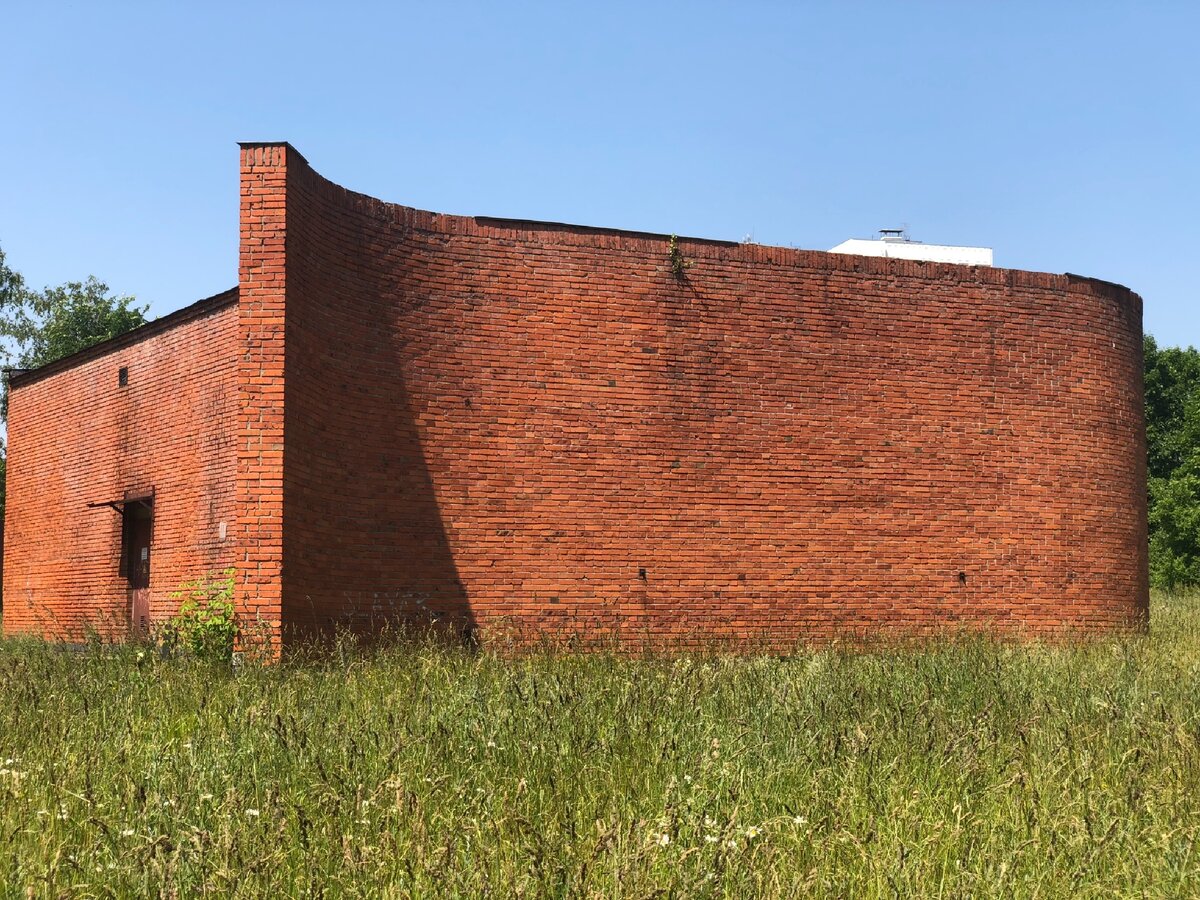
895	243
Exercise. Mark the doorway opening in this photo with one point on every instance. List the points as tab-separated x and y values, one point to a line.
137	526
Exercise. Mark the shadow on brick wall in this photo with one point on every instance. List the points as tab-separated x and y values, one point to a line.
365	547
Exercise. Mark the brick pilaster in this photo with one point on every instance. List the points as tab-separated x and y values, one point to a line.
262	283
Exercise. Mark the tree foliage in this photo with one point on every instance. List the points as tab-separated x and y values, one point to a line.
1173	463
38	327
47	325
12	285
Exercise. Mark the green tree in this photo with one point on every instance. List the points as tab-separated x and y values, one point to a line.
12	290
1172	376
1174	514
12	285
38	327
47	325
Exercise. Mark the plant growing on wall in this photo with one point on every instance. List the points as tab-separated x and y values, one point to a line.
205	625
679	265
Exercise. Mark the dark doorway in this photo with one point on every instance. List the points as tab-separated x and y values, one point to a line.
138	521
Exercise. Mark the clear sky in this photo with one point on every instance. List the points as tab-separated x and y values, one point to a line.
1066	135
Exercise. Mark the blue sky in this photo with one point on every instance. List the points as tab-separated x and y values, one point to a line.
1065	135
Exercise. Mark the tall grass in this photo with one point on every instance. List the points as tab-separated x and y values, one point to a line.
968	768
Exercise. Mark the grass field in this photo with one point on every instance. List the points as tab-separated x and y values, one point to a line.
971	768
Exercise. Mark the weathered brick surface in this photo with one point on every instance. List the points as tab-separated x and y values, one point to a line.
511	425
76	437
543	426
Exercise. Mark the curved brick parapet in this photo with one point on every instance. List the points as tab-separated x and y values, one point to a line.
549	427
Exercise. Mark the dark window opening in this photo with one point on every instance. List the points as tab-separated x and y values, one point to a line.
123	376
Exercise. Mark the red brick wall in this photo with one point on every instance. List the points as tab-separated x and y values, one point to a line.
512	423
495	424
77	437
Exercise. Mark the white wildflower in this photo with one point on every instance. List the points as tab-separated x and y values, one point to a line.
663	840
799	820
711	839
752	832
127	832
252	813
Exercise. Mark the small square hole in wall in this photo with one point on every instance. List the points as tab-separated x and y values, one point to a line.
123	376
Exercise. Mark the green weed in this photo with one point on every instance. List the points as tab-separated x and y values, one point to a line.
205	625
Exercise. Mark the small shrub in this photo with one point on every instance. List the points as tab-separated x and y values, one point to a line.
205	625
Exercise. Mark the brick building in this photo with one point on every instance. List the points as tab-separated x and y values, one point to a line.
399	415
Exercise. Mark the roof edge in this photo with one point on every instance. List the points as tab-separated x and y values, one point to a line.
599	230
22	377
